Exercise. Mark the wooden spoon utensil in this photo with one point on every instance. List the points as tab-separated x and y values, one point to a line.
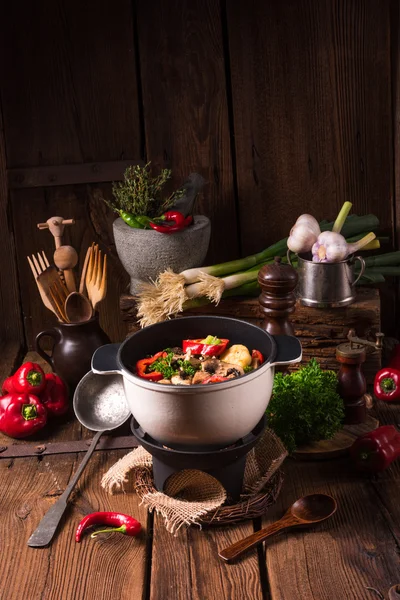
304	512
96	276
78	308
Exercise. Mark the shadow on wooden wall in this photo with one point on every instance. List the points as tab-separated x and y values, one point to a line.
282	107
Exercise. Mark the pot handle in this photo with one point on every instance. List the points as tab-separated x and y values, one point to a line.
104	360
362	263
289	350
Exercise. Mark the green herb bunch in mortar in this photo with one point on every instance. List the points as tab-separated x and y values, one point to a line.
305	406
140	196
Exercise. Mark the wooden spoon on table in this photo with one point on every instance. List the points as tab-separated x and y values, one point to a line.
304	512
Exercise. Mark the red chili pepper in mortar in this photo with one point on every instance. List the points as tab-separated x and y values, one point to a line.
376	450
143	364
176	217
21	415
118	522
55	395
387	384
8	385
29	379
204	348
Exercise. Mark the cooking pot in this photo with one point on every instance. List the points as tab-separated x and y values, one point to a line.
217	414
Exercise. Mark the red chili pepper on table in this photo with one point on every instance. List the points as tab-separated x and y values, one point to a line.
29	379
204	348
117	521
376	450
143	364
55	395
21	415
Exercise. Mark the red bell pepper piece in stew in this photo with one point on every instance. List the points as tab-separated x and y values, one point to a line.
118	522
376	450
29	379
55	395
21	415
257	356
210	346
143	370
215	379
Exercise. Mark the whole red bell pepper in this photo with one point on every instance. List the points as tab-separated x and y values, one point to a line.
55	395
29	379
387	384
8	385
387	380
22	415
210	346
142	367
376	450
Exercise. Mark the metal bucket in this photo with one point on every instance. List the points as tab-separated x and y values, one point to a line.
327	285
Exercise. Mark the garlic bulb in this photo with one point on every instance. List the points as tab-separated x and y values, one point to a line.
303	234
332	247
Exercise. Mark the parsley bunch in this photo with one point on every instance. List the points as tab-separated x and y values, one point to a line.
305	406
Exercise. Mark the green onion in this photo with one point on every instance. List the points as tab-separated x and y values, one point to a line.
340	219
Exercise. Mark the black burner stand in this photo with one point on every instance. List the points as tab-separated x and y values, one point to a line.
227	465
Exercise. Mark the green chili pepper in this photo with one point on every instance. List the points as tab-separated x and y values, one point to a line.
144	221
130	220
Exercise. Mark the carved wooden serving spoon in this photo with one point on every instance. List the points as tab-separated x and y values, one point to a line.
304	512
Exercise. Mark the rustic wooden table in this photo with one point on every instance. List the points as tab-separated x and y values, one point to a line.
357	550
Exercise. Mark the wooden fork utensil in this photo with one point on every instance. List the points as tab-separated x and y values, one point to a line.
49	284
96	276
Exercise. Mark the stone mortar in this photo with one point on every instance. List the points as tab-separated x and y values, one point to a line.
145	253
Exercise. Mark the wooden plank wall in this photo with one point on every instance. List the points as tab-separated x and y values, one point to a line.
283	108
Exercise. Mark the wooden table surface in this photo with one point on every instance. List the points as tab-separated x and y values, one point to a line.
356	550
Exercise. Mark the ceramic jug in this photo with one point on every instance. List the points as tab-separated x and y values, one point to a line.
73	348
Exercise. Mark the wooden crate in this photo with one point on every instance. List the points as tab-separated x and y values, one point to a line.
319	330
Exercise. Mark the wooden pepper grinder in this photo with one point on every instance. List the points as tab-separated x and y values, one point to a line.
352	384
278	282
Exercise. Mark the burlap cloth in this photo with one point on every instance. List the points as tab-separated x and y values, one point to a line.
193	497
